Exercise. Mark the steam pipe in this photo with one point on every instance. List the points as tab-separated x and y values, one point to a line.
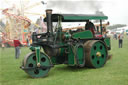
101	26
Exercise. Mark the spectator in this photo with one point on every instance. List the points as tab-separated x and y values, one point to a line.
17	45
115	36
120	37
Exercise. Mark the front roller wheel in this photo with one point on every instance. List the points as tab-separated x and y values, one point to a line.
30	62
95	53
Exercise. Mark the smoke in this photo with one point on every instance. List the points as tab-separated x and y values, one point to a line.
83	7
99	13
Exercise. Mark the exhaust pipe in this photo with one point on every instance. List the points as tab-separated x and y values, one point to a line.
49	21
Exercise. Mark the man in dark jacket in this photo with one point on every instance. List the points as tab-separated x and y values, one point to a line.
90	26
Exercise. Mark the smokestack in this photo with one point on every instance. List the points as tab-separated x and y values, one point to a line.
49	21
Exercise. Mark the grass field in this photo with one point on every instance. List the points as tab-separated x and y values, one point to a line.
115	71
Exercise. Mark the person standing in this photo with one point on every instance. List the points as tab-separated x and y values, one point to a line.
120	37
115	36
17	45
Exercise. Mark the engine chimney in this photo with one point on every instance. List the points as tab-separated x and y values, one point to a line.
49	21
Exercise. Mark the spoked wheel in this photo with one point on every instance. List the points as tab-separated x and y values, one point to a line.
30	62
95	53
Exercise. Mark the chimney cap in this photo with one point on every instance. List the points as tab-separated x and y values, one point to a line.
48	10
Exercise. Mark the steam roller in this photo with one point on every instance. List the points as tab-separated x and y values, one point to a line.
75	48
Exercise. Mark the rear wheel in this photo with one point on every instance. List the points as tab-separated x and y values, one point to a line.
95	53
30	62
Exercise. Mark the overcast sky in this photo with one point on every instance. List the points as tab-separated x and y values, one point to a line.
116	10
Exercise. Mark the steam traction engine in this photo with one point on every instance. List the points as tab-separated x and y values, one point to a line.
72	48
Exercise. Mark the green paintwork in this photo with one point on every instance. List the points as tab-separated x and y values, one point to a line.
80	54
98	61
71	57
38	54
62	51
107	41
30	61
76	54
76	17
53	60
67	35
32	48
83	17
83	35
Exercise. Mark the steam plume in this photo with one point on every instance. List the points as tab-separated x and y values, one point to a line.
75	6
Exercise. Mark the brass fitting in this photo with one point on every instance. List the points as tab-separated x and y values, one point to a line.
98	54
38	64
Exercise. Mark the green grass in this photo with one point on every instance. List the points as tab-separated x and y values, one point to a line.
115	71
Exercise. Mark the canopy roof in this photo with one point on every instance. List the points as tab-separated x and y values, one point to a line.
76	17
